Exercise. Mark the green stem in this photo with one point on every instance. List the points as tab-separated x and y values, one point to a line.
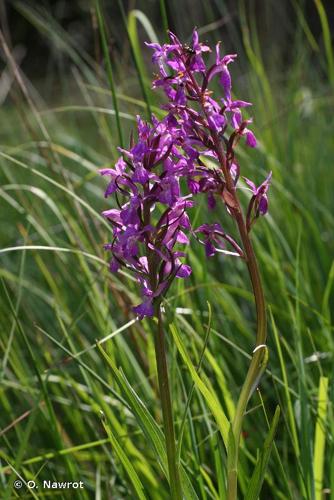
164	17
167	411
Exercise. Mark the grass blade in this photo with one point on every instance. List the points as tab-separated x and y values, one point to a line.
320	437
141	77
134	479
257	478
109	70
326	33
291	418
148	425
164	17
209	396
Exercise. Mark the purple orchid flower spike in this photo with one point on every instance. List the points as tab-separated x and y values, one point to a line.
150	172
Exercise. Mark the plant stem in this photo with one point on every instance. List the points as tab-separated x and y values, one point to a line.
166	406
260	355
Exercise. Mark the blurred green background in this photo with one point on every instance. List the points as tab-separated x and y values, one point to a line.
57	297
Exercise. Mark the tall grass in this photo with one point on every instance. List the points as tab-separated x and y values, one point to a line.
78	375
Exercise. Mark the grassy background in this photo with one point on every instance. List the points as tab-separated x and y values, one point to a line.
58	395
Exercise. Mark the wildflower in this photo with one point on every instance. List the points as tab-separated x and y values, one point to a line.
152	225
191	151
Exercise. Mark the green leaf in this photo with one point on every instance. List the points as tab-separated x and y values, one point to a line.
257	478
209	395
148	425
320	437
290	414
115	443
326	33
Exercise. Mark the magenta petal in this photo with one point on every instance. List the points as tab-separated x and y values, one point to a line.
184	271
263	205
111	188
144	309
195	38
140	175
176	65
211	201
239	104
236	118
209	249
214	70
180	97
225	80
268	179
251	185
114	266
182	238
113	214
216	121
107	171
251	139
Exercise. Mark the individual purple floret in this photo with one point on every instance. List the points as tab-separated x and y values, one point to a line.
189	152
258	204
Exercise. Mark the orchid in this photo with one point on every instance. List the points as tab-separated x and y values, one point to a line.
149	173
190	152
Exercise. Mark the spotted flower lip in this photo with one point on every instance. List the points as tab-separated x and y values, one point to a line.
157	180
